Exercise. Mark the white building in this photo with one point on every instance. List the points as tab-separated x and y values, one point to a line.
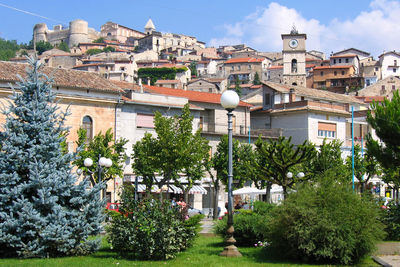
389	62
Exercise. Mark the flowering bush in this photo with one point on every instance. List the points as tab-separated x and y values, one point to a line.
261	244
149	229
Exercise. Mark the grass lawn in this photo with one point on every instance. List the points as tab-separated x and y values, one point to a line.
204	253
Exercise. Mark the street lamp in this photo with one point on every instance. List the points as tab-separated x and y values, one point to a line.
230	100
102	162
299	175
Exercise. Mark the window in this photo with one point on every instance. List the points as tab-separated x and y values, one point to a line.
340	60
347	60
334	61
342	72
145	120
294	65
322	73
335	73
201	123
394	69
238	67
267	99
395	62
249	67
393	87
376	69
326	129
87	124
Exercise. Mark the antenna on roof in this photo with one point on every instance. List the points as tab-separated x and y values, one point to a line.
294	30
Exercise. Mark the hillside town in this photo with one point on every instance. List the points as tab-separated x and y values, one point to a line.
118	78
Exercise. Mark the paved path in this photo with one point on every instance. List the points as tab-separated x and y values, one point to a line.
207	227
388	254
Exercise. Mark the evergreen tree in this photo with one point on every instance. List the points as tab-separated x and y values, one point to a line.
256	80
44	212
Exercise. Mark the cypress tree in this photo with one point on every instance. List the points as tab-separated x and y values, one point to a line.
44	212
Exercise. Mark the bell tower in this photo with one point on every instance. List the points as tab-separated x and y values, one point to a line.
294	58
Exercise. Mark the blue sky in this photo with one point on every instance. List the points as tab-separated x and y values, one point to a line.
331	25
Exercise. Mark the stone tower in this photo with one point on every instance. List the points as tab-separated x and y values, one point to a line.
40	32
294	58
78	32
149	28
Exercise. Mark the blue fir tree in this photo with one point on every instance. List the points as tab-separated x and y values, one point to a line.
44	211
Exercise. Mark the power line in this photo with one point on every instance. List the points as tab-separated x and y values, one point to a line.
31	13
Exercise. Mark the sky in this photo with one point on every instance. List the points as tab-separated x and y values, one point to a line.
331	25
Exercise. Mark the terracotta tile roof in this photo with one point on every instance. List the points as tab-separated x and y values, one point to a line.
62	77
370	99
344	55
275	67
313	93
333	67
246	85
89	65
310	65
244	60
256	86
126	85
167	81
194	96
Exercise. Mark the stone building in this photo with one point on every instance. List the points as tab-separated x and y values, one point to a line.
390	63
158	41
77	32
92	101
123	34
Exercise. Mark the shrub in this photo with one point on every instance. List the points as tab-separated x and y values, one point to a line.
250	226
326	222
391	219
93	51
149	229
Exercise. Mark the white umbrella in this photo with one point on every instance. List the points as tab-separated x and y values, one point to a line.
248	191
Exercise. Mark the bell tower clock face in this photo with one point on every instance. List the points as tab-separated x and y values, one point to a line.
293	43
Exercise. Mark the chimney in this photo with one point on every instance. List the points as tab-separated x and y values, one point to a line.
292	95
141	85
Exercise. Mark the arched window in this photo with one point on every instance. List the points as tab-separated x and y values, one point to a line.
294	83
294	66
87	124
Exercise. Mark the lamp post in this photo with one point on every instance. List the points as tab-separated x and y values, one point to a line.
230	100
102	162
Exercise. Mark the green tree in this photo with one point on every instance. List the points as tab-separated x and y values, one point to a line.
102	145
384	118
8	49
365	166
281	157
93	51
99	40
256	80
63	46
194	151
238	89
329	156
109	49
193	68
242	157
43	46
175	150
145	161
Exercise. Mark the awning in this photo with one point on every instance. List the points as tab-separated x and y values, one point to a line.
142	188
175	189
197	189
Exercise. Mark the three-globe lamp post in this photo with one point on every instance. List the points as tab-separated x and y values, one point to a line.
102	163
230	100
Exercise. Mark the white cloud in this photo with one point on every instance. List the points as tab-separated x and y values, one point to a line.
373	30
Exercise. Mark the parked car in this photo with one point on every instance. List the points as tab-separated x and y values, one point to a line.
193	211
113	206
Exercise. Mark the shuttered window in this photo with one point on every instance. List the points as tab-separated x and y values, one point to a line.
326	129
145	121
